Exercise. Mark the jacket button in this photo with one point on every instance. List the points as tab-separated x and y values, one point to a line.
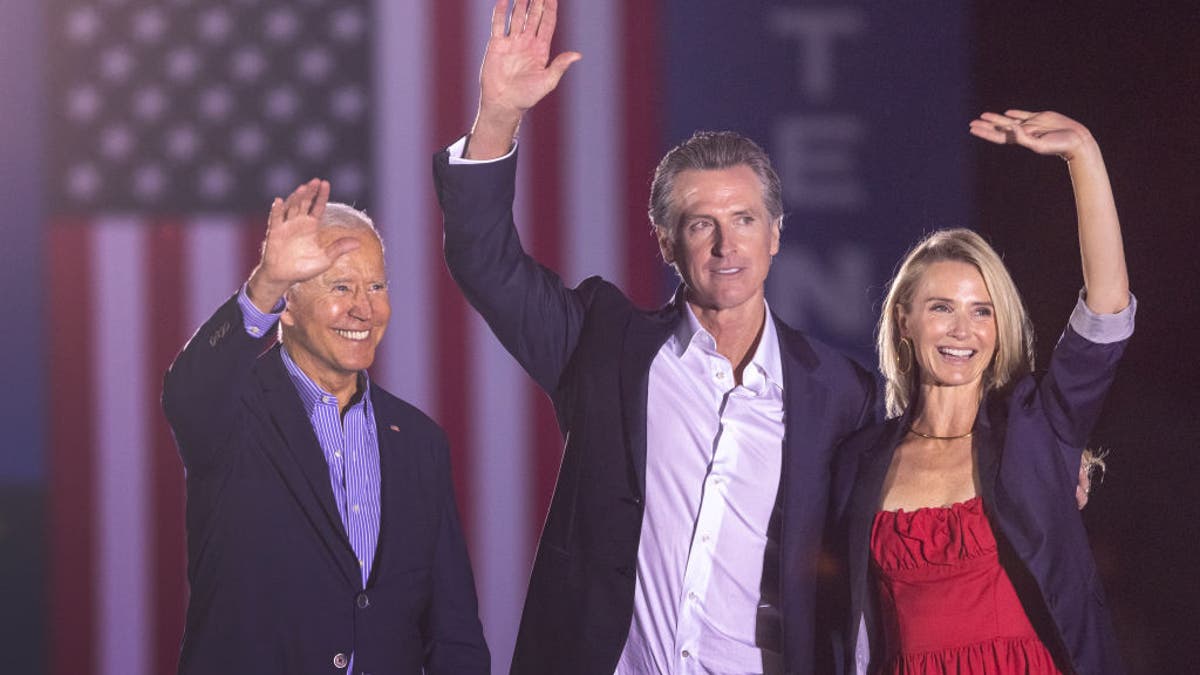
340	660
362	601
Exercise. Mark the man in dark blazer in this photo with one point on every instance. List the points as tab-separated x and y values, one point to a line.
322	530
685	527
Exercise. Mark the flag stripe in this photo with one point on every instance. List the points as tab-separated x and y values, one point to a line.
402	191
119	387
165	310
641	140
214	263
451	343
593	233
70	434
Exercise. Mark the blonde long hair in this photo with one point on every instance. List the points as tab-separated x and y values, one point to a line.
1014	333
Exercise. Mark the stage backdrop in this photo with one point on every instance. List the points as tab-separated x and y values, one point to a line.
161	131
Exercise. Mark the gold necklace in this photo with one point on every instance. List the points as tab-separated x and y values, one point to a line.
940	438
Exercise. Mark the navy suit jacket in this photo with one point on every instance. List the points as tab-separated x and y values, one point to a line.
1027	444
590	349
275	585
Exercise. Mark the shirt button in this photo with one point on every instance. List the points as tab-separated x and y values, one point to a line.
354	508
691	595
340	660
720	374
255	330
685	654
362	601
705	537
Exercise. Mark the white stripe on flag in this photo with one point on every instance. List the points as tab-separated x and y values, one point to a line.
594	230
501	479
212	266
402	194
122	571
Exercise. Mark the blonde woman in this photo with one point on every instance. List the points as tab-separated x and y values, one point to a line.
964	548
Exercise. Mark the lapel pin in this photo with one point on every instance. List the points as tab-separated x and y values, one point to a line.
395	428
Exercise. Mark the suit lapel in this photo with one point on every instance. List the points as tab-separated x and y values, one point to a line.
804	405
403	487
643	339
301	451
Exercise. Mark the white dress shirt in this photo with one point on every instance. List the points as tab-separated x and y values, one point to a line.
713	460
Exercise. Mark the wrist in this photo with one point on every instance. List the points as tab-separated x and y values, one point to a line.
263	291
492	133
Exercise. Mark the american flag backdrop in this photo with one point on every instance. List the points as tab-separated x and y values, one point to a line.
171	126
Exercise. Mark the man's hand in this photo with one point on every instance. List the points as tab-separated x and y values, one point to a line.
292	251
516	74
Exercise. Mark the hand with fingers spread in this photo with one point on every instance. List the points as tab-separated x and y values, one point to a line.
1102	252
516	73
292	251
1046	133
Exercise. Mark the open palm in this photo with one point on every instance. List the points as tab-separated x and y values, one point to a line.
1046	133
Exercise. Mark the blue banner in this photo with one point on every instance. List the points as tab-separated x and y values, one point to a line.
863	107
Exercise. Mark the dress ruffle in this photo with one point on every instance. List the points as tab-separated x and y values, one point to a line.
946	603
932	536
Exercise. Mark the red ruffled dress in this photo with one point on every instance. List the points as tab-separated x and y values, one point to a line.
946	604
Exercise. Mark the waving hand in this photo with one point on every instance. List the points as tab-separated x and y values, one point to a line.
292	251
1101	249
517	73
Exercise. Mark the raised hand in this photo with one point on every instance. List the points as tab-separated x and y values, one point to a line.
1046	133
292	250
1101	251
517	73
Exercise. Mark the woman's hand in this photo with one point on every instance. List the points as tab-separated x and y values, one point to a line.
1046	133
1101	251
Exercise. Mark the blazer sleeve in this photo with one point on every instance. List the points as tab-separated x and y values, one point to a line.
202	387
533	314
1081	371
453	635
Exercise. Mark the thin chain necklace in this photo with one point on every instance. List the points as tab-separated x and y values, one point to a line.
941	438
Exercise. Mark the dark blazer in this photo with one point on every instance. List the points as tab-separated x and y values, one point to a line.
1027	446
275	586
590	349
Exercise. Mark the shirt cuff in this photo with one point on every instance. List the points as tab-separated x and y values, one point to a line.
256	322
1103	328
457	148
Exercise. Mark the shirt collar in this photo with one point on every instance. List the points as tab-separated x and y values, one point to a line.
311	394
766	359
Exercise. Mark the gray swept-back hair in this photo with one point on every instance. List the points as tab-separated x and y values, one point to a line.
711	150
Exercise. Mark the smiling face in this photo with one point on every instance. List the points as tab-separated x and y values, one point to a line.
952	324
334	321
724	238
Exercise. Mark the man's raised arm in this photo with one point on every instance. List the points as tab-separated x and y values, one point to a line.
198	389
517	73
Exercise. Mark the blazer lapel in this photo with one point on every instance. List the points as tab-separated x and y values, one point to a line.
644	337
804	407
302	462
407	510
864	504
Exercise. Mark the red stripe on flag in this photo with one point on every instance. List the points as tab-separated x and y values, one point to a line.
547	221
641	136
450	346
252	233
70	436
168	564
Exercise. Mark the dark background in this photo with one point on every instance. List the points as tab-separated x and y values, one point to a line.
1129	72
